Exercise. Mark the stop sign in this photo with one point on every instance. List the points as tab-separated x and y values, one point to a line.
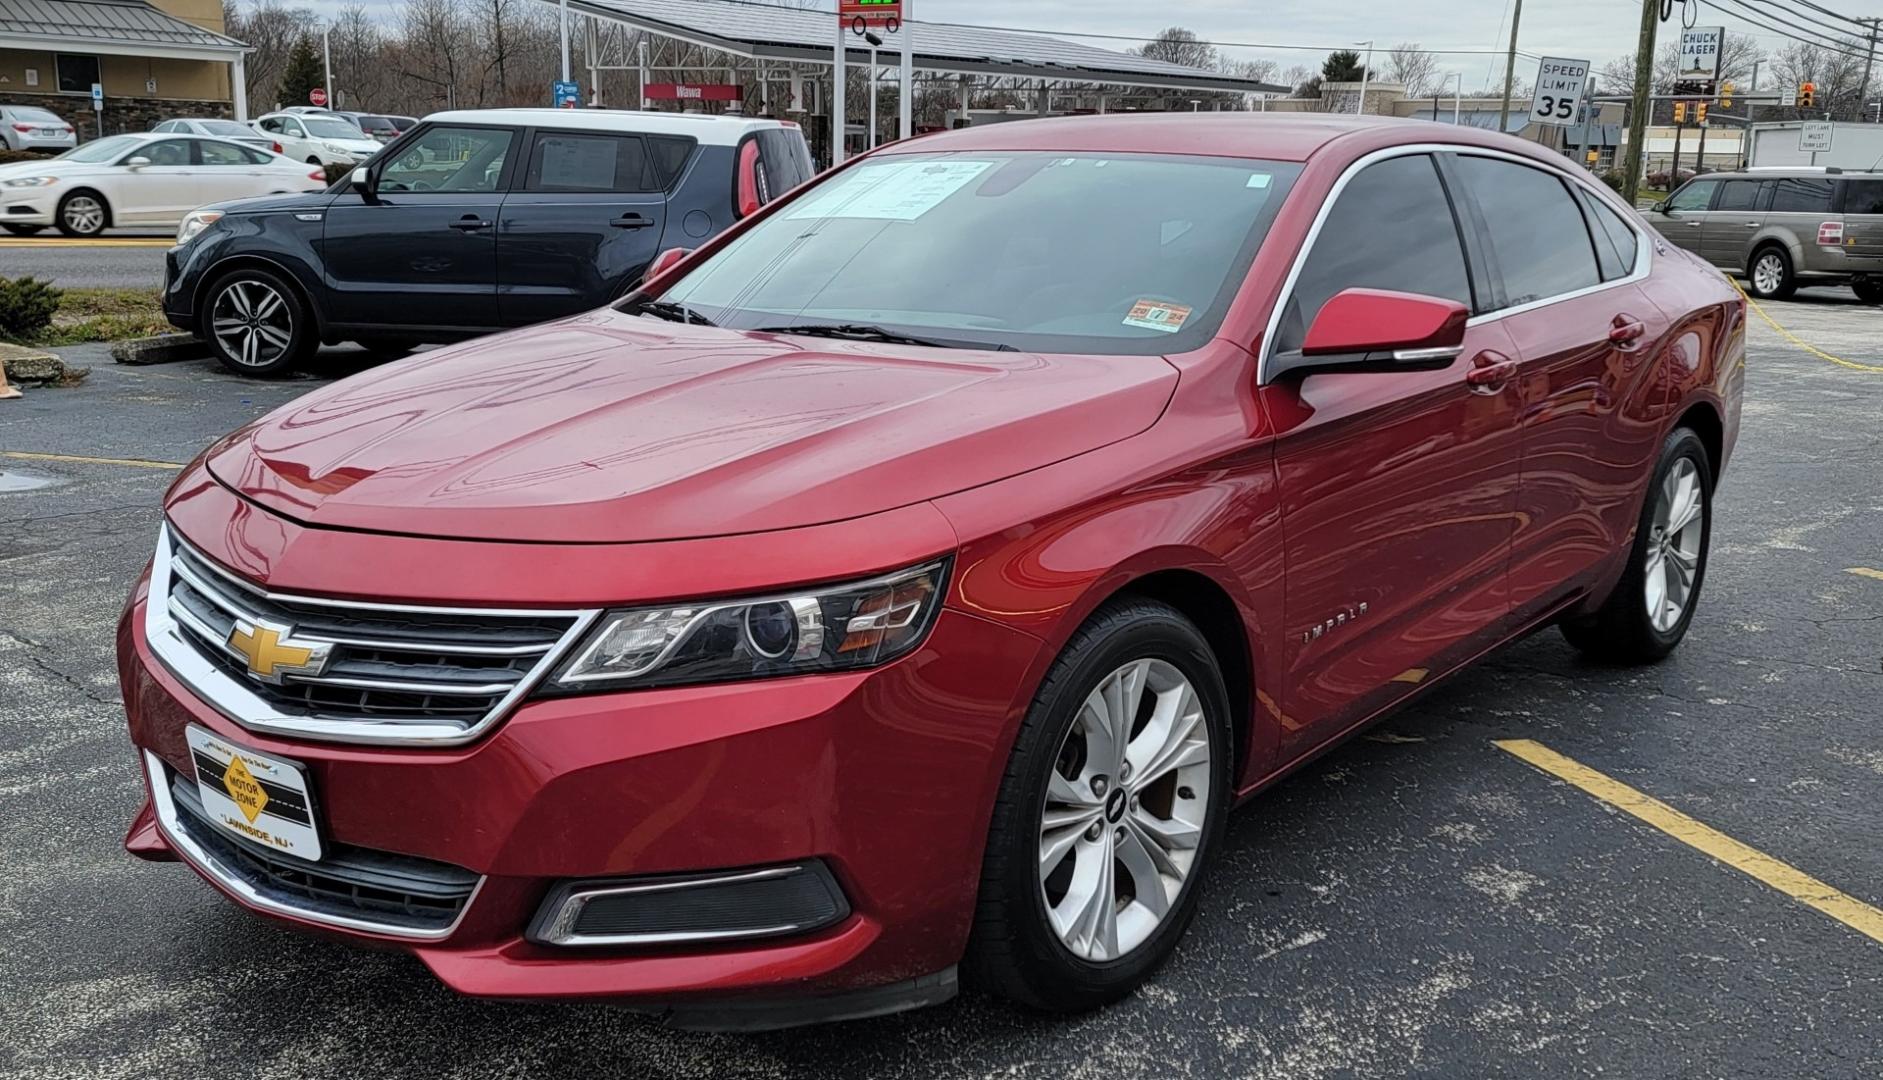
317	96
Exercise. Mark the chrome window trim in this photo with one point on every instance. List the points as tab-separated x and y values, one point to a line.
209	866
559	929
1644	248
232	699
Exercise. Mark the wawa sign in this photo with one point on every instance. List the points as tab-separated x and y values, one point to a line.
694	92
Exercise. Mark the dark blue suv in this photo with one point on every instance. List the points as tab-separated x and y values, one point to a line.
471	222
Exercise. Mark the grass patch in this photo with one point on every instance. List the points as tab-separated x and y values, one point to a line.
87	315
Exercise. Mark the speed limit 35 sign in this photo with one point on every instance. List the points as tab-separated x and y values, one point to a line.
1559	87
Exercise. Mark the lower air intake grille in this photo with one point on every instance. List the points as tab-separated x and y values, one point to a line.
740	904
398	892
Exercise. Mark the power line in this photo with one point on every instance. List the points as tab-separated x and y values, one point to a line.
1219	44
1833	14
1820	43
1783	10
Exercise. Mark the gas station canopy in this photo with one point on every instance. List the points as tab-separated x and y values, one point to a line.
765	32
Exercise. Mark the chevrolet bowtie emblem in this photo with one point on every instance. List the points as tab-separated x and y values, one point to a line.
272	653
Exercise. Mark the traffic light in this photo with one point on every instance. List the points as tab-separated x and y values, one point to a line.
1807	95
1726	95
1699	112
1680	112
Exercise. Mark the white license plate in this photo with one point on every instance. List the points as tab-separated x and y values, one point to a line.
259	798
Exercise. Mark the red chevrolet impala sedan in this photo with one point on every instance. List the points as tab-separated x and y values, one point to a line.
908	582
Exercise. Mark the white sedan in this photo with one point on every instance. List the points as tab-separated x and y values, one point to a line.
147	179
318	138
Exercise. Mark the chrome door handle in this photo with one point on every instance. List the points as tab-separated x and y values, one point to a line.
1693	224
1752	224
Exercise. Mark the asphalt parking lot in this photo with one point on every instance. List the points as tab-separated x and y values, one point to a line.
1422	902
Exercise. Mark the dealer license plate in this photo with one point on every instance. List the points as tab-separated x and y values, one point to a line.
259	798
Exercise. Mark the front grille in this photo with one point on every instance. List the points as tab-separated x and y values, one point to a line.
393	673
396	893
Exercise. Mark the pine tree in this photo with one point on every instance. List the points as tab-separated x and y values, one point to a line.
303	73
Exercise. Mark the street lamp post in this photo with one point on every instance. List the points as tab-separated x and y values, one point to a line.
1457	94
1366	74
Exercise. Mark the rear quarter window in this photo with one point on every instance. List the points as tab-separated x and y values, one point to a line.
669	155
1863	196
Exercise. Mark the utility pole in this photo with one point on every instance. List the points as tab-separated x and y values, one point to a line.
565	40
326	64
1510	67
1638	109
1863	98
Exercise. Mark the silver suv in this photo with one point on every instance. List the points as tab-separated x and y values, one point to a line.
1783	228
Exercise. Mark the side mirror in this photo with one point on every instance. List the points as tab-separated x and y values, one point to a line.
664	262
1378	330
1661	207
361	180
137	162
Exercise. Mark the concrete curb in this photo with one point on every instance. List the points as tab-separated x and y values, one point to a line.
22	365
162	349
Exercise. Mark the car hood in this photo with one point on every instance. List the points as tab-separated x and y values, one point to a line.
616	428
266	204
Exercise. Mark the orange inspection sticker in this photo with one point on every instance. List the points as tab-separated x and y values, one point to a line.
1155	316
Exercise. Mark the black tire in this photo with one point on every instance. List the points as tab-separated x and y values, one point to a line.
74	221
303	336
386	348
1778	287
23	230
1868	291
1621	631
1013	951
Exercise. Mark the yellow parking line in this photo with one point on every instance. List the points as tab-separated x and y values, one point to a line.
136	463
1801	343
1864	571
1755	864
23	242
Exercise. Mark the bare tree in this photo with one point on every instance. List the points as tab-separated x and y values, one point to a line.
1413	68
1175	45
1737	56
271	29
1838	76
358	45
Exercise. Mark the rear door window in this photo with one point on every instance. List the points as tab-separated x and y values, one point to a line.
1738	195
1540	244
1801	195
1391	228
571	163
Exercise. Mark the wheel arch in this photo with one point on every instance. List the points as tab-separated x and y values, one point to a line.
1704	420
1205	602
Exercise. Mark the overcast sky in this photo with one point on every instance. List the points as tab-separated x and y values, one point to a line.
1595	30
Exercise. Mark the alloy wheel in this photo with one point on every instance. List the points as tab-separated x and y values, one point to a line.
1673	556
253	323
1125	809
1768	273
84	214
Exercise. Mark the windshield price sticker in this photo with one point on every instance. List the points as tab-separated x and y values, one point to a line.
898	192
1152	315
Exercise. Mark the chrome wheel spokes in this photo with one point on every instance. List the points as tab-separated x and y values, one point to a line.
1124	810
1768	272
84	214
253	322
1673	557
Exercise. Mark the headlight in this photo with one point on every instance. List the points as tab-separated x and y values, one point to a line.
195	222
30	181
825	628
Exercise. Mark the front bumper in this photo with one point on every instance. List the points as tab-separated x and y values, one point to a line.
887	777
27	206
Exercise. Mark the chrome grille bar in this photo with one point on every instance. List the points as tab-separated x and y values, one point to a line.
398	674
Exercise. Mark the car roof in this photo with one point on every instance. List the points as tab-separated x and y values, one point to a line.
712	130
1269	136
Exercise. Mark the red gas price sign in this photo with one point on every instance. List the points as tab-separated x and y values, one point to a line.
858	14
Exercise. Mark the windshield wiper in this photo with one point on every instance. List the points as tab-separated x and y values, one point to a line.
868	332
672	312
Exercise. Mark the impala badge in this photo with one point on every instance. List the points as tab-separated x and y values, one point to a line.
1340	619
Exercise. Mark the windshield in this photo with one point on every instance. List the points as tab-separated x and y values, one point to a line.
328	127
226	127
1045	252
101	150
